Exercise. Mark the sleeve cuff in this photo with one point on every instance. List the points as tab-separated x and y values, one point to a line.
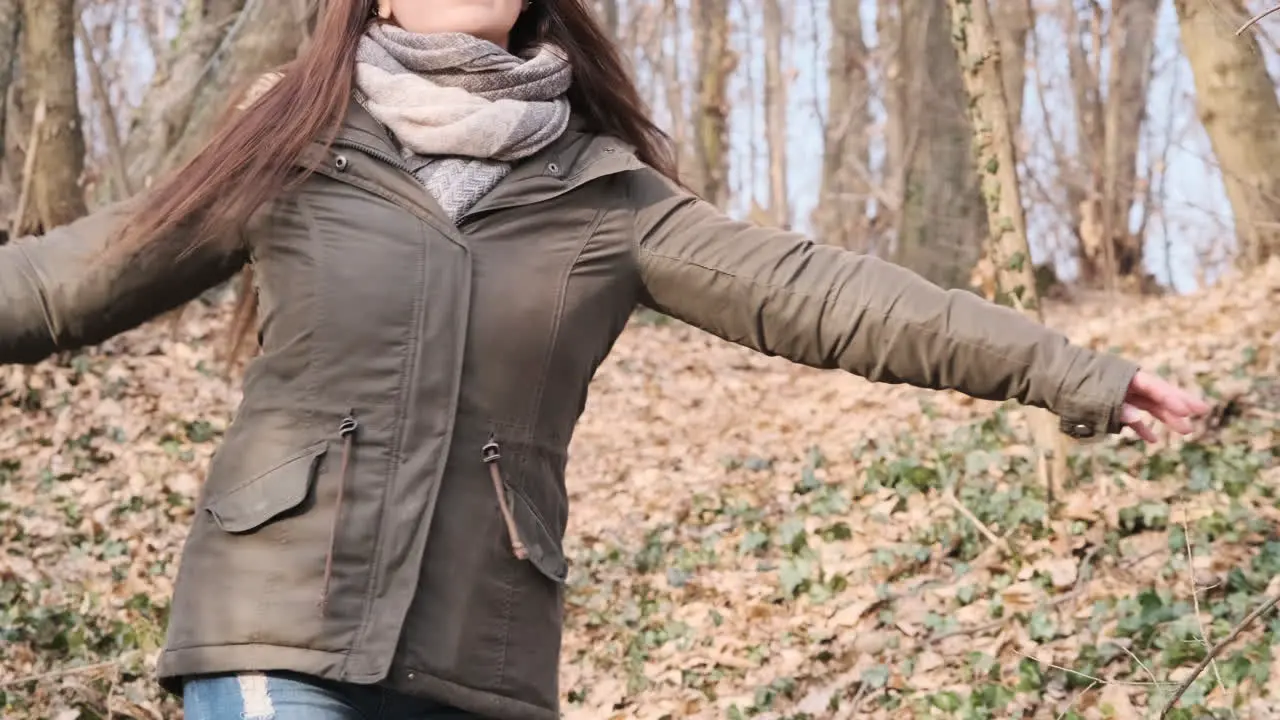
1095	414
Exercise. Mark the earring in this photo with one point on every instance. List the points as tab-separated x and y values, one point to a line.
383	10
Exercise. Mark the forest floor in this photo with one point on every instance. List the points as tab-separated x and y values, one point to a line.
750	539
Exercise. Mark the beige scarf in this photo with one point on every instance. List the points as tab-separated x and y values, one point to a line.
462	108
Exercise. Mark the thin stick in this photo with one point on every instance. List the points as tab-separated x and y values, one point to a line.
65	672
1138	660
1259	611
1257	18
1195	604
1076	699
1087	676
959	507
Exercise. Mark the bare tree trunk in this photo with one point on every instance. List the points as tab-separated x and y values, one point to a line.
841	215
1008	251
1109	126
1014	19
223	46
10	22
110	126
1132	45
1083	195
609	10
716	62
775	100
1236	100
898	133
943	223
49	66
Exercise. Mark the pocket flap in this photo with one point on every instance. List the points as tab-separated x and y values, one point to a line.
544	550
276	491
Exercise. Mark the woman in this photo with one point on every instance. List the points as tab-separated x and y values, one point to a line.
450	249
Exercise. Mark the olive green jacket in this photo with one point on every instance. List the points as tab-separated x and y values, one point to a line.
389	503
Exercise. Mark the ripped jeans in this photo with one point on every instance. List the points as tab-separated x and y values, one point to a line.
290	696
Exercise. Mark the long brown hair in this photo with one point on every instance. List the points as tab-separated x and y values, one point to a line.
255	153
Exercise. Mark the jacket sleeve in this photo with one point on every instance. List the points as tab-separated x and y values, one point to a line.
66	289
781	294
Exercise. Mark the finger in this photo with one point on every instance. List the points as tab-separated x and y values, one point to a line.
1165	393
1178	421
1132	417
1144	431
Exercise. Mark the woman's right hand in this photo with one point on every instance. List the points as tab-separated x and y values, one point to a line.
1165	401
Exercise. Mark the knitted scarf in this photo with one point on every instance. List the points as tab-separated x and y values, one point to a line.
462	109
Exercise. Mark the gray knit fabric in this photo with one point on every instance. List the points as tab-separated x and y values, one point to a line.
463	109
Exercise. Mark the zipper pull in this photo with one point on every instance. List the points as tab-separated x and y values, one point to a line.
349	425
491	451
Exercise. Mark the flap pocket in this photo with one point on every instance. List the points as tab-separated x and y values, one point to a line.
272	493
544	550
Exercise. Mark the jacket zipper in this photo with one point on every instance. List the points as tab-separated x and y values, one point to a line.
490	455
347	431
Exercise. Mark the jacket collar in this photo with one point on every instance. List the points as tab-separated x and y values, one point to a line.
579	156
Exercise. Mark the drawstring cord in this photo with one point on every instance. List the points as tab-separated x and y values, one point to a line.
347	429
490	455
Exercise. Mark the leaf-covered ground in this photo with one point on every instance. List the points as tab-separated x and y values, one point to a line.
750	539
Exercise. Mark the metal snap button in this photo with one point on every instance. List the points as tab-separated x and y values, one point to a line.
340	162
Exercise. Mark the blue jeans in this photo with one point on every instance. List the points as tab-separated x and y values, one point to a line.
289	696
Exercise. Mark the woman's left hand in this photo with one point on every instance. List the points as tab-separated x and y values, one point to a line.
1168	403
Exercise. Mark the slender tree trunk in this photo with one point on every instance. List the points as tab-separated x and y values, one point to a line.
49	64
609	10
943	223
716	62
1014	20
10	22
1008	251
1109	126
1132	47
671	68
110	126
841	215
1236	101
775	100
898	133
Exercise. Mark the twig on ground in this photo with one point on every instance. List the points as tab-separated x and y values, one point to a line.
1091	678
1071	706
1195	604
950	497
113	664
1213	653
1138	660
1257	18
